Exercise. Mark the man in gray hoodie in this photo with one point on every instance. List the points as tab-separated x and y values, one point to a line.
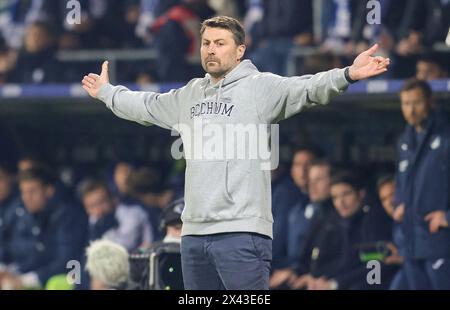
227	220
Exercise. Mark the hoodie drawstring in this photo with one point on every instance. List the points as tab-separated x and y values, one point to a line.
219	92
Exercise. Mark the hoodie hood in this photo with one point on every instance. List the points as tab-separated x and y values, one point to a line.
242	70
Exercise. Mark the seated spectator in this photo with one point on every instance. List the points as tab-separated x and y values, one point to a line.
107	265
36	62
42	235
279	31
126	225
330	259
171	221
425	22
386	193
292	190
120	180
431	67
16	16
302	215
150	10
132	13
177	37
101	25
146	188
336	24
31	160
384	33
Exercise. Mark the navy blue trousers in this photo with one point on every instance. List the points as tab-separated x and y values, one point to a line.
230	261
428	274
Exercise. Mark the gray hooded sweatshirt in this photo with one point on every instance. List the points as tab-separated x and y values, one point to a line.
229	193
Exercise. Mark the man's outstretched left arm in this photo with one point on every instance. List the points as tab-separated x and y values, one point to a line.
283	97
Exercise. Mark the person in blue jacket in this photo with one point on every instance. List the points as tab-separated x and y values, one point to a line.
423	188
386	194
292	190
43	235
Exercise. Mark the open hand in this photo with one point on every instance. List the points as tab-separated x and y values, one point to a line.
366	65
93	82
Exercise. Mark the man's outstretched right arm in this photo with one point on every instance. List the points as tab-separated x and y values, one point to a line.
145	108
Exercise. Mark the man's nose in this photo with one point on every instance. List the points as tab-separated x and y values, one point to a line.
211	49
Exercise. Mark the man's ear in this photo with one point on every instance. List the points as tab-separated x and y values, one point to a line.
241	51
50	191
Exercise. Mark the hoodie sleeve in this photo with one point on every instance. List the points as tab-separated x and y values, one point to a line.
279	97
145	108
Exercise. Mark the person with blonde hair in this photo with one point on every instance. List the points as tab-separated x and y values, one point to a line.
107	265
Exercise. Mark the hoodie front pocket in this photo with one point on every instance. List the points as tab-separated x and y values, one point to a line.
206	193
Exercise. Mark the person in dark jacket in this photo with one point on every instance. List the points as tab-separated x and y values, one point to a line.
127	225
424	23
43	235
423	188
292	190
386	192
301	216
331	256
279	31
36	62
177	39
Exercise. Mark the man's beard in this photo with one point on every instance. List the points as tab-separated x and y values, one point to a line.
217	63
215	73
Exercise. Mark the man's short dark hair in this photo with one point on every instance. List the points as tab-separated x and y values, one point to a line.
310	148
145	180
46	26
346	177
438	59
321	162
228	23
90	185
414	83
38	173
385	179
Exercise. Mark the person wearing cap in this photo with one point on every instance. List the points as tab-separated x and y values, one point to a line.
171	221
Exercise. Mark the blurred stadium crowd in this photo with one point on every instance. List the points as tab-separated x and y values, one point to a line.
32	32
329	220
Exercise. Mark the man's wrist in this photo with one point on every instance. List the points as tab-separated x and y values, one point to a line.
348	76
